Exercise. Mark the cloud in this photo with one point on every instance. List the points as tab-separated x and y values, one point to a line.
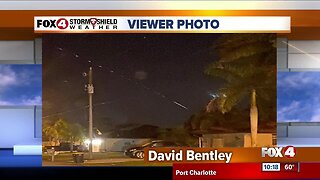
5	103
28	77
37	100
315	118
293	120
7	77
316	114
18	79
24	76
33	101
298	80
292	107
289	110
298	96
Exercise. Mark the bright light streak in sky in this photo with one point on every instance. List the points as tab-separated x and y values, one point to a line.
180	105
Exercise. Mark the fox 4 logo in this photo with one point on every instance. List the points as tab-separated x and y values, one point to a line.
288	151
60	23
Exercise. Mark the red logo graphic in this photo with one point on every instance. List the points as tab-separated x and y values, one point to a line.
93	21
62	23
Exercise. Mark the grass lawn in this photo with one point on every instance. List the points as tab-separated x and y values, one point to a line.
128	164
99	159
131	163
67	156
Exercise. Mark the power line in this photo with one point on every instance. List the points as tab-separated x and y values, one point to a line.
76	109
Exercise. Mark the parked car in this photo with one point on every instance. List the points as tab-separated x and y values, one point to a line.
138	151
81	148
45	148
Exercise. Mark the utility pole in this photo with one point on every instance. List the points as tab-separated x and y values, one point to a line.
90	93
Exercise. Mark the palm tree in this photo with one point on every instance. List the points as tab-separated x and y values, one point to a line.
247	62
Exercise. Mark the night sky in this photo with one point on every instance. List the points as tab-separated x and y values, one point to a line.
155	79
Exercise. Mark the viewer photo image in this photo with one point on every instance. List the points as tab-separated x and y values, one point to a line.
106	97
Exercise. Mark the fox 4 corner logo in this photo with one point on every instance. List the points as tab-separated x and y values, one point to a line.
288	151
60	23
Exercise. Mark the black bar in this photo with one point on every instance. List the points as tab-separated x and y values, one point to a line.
88	173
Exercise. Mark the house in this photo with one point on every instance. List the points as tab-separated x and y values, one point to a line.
219	137
236	140
123	137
